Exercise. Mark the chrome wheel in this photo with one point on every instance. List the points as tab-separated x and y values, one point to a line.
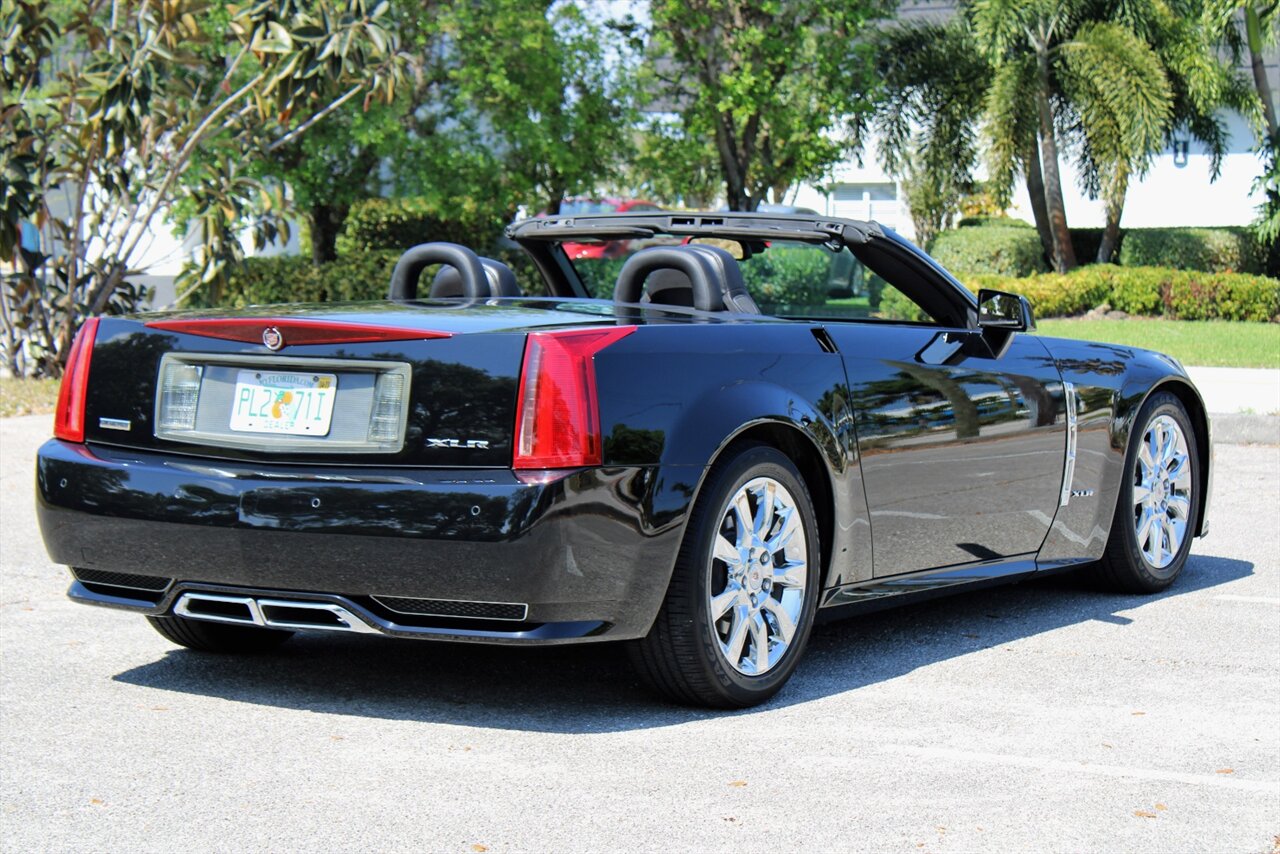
758	570
1162	486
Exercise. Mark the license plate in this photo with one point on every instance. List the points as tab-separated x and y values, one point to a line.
292	403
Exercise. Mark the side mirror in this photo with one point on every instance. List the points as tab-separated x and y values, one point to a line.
1000	310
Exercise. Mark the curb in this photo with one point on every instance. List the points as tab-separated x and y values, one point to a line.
1241	429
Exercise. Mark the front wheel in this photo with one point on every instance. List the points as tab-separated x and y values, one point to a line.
1159	501
740	607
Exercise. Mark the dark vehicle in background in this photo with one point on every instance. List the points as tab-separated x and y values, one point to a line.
694	450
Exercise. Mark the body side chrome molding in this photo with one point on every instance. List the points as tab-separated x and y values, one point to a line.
1069	463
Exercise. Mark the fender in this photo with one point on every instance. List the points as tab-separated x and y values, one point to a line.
1112	383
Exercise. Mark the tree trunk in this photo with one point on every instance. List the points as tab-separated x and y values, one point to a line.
1115	207
1253	34
1035	189
326	221
1064	257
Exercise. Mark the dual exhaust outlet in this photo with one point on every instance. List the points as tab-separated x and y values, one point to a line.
286	614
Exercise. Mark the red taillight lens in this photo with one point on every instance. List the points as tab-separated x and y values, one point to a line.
558	418
68	422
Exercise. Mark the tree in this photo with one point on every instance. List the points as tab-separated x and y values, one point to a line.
926	121
536	93
774	84
129	115
1247	28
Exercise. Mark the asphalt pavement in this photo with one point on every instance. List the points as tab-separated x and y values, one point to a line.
1039	717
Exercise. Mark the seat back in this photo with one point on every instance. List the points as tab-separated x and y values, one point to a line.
707	278
498	276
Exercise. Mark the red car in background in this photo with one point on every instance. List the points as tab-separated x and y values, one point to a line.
581	206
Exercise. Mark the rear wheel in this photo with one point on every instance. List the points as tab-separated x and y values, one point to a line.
740	607
218	637
1159	499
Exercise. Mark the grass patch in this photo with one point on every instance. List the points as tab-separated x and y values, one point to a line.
27	397
1209	343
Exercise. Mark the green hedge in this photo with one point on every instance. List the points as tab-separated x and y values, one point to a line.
781	276
397	224
292	279
1210	250
1005	250
787	276
355	277
1153	291
1005	246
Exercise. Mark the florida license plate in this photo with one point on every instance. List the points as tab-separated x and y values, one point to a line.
292	403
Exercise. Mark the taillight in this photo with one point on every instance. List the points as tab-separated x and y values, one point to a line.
68	422
558	417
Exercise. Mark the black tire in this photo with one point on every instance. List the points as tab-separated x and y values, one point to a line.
681	657
1124	567
218	637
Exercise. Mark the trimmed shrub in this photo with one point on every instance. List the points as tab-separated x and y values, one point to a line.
1210	250
1152	291
788	276
1222	296
993	222
397	224
1003	250
294	279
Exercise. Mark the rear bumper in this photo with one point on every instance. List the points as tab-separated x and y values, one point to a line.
590	554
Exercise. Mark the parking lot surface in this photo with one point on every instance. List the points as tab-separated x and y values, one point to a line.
1044	716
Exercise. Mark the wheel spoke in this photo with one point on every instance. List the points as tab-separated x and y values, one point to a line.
790	574
764	509
785	625
737	636
1141	492
726	551
1144	527
790	524
1181	504
1145	459
760	642
742	514
1179	471
1157	542
1172	538
723	602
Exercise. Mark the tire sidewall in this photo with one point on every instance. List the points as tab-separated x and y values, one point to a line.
751	463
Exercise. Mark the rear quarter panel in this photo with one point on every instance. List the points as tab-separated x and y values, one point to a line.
679	394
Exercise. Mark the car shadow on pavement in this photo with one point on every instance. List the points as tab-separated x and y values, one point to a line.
589	689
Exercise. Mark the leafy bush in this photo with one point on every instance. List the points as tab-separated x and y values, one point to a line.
1210	250
599	275
788	276
1005	250
999	221
293	279
1154	291
1222	296
397	224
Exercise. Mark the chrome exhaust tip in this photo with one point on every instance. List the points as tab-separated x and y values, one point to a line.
287	614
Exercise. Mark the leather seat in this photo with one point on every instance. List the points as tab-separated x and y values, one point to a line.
663	276
502	282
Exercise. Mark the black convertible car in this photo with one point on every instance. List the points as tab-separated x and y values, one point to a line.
645	451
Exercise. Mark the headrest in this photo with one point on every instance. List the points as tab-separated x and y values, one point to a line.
501	281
